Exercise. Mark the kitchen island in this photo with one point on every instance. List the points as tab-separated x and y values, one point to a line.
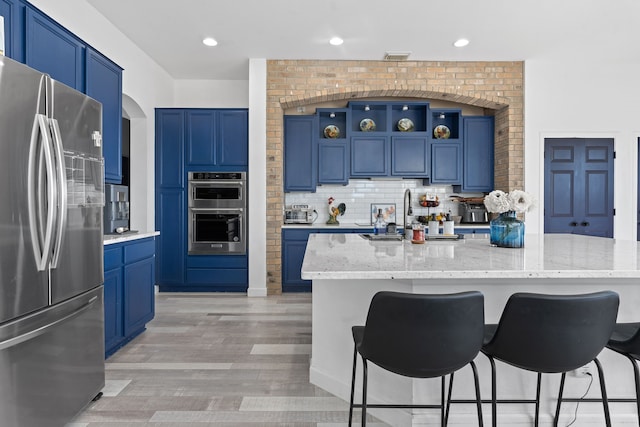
348	270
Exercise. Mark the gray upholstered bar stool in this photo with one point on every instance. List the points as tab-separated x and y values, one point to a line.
419	336
626	341
551	334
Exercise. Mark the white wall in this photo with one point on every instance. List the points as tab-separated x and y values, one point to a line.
211	93
144	82
584	98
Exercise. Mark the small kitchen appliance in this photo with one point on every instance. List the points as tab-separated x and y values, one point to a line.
116	209
473	213
299	214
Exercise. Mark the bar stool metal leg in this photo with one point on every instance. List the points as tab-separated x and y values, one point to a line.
537	419
560	391
494	403
478	399
636	374
353	383
603	390
364	392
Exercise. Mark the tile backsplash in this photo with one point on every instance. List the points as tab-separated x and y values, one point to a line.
360	194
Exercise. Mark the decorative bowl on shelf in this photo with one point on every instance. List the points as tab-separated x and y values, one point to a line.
441	132
367	125
332	132
405	125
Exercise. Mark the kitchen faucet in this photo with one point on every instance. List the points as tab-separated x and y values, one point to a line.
407	211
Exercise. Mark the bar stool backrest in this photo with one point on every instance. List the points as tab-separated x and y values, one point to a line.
423	336
554	333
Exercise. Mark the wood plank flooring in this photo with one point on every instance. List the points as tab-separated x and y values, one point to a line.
219	360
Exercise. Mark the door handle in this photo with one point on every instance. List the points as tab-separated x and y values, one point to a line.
584	224
573	223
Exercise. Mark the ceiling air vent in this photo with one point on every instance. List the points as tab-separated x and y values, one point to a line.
396	56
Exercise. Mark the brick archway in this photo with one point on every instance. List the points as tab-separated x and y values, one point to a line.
496	86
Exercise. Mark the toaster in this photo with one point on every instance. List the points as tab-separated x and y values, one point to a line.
299	214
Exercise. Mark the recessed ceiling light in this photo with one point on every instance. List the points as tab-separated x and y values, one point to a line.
461	43
210	41
336	41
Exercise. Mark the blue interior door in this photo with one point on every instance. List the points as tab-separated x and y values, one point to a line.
579	186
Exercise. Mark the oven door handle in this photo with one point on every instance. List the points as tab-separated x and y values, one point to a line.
217	183
226	210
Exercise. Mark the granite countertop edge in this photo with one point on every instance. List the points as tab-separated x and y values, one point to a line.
110	239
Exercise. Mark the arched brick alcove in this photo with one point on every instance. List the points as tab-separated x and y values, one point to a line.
495	86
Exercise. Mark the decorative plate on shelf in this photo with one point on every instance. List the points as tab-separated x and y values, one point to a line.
405	125
441	132
367	125
332	132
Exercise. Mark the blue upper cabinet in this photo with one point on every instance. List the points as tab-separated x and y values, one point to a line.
370	156
13	29
217	138
410	156
104	84
170	148
233	138
478	154
201	136
300	153
333	145
52	49
446	163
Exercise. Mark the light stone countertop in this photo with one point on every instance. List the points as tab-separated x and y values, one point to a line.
349	256
322	225
110	239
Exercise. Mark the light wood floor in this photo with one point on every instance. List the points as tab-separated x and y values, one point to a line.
218	360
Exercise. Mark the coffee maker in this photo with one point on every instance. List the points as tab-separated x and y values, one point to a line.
116	209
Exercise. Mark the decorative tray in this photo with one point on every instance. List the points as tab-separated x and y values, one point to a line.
445	237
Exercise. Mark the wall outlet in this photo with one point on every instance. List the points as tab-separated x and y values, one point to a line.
583	371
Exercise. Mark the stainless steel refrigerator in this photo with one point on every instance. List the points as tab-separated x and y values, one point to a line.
51	249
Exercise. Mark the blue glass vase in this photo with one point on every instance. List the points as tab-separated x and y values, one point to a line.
507	231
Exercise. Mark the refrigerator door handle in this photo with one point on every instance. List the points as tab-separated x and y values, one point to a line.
62	191
41	240
43	329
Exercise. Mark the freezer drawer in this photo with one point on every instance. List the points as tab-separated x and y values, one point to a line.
52	362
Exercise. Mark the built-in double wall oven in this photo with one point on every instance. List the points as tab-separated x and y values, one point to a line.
217	213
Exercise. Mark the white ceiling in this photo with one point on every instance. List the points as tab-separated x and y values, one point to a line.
171	31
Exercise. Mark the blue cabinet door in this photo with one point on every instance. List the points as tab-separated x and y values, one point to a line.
477	174
233	138
113	331
201	137
292	257
369	156
217	138
446	163
169	148
333	163
171	243
299	153
13	35
138	295
104	84
53	50
410	156
578	186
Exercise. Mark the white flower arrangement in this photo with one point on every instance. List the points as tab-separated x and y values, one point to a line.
516	200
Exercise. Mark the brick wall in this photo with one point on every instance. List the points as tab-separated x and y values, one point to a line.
496	86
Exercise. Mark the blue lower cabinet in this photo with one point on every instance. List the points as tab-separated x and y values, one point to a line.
294	245
113	332
129	302
214	273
